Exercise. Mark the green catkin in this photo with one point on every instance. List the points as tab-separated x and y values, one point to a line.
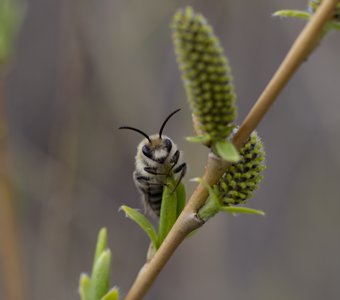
205	73
313	5
243	178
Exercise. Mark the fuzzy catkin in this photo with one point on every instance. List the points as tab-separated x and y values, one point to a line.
205	73
243	178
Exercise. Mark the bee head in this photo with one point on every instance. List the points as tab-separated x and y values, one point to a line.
158	149
155	147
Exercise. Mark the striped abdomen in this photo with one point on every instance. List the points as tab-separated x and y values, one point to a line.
152	191
153	198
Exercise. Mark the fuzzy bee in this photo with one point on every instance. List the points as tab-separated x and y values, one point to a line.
157	158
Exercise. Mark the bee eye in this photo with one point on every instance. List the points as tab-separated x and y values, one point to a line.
168	144
147	151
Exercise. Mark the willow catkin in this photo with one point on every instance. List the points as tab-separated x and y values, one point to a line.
205	73
243	178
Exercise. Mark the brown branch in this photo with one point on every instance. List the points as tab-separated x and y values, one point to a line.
215	168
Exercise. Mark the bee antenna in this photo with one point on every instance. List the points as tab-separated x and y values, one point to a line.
135	129
166	120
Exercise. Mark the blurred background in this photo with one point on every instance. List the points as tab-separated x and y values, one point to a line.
81	69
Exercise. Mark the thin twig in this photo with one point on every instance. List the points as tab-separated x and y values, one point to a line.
215	168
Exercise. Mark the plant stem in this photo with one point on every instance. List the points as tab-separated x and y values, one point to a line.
299	52
215	168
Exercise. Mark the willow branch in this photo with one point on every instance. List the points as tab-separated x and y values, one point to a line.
188	220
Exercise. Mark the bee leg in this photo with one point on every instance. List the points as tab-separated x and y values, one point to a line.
175	157
152	171
157	184
174	161
147	179
182	168
142	178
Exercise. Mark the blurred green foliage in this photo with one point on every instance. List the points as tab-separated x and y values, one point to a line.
9	20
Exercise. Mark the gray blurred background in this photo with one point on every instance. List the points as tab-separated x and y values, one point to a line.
83	68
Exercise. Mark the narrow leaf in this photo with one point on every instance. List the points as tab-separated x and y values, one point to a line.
168	214
300	14
100	276
112	295
242	210
204	183
151	252
227	151
101	243
142	221
181	198
199	139
84	286
211	206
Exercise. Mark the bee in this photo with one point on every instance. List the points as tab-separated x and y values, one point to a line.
157	158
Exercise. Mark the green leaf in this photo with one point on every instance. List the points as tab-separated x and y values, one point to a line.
227	151
151	252
143	222
101	243
181	198
304	15
112	295
100	276
203	139
204	183
84	286
212	205
242	210
168	214
290	13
